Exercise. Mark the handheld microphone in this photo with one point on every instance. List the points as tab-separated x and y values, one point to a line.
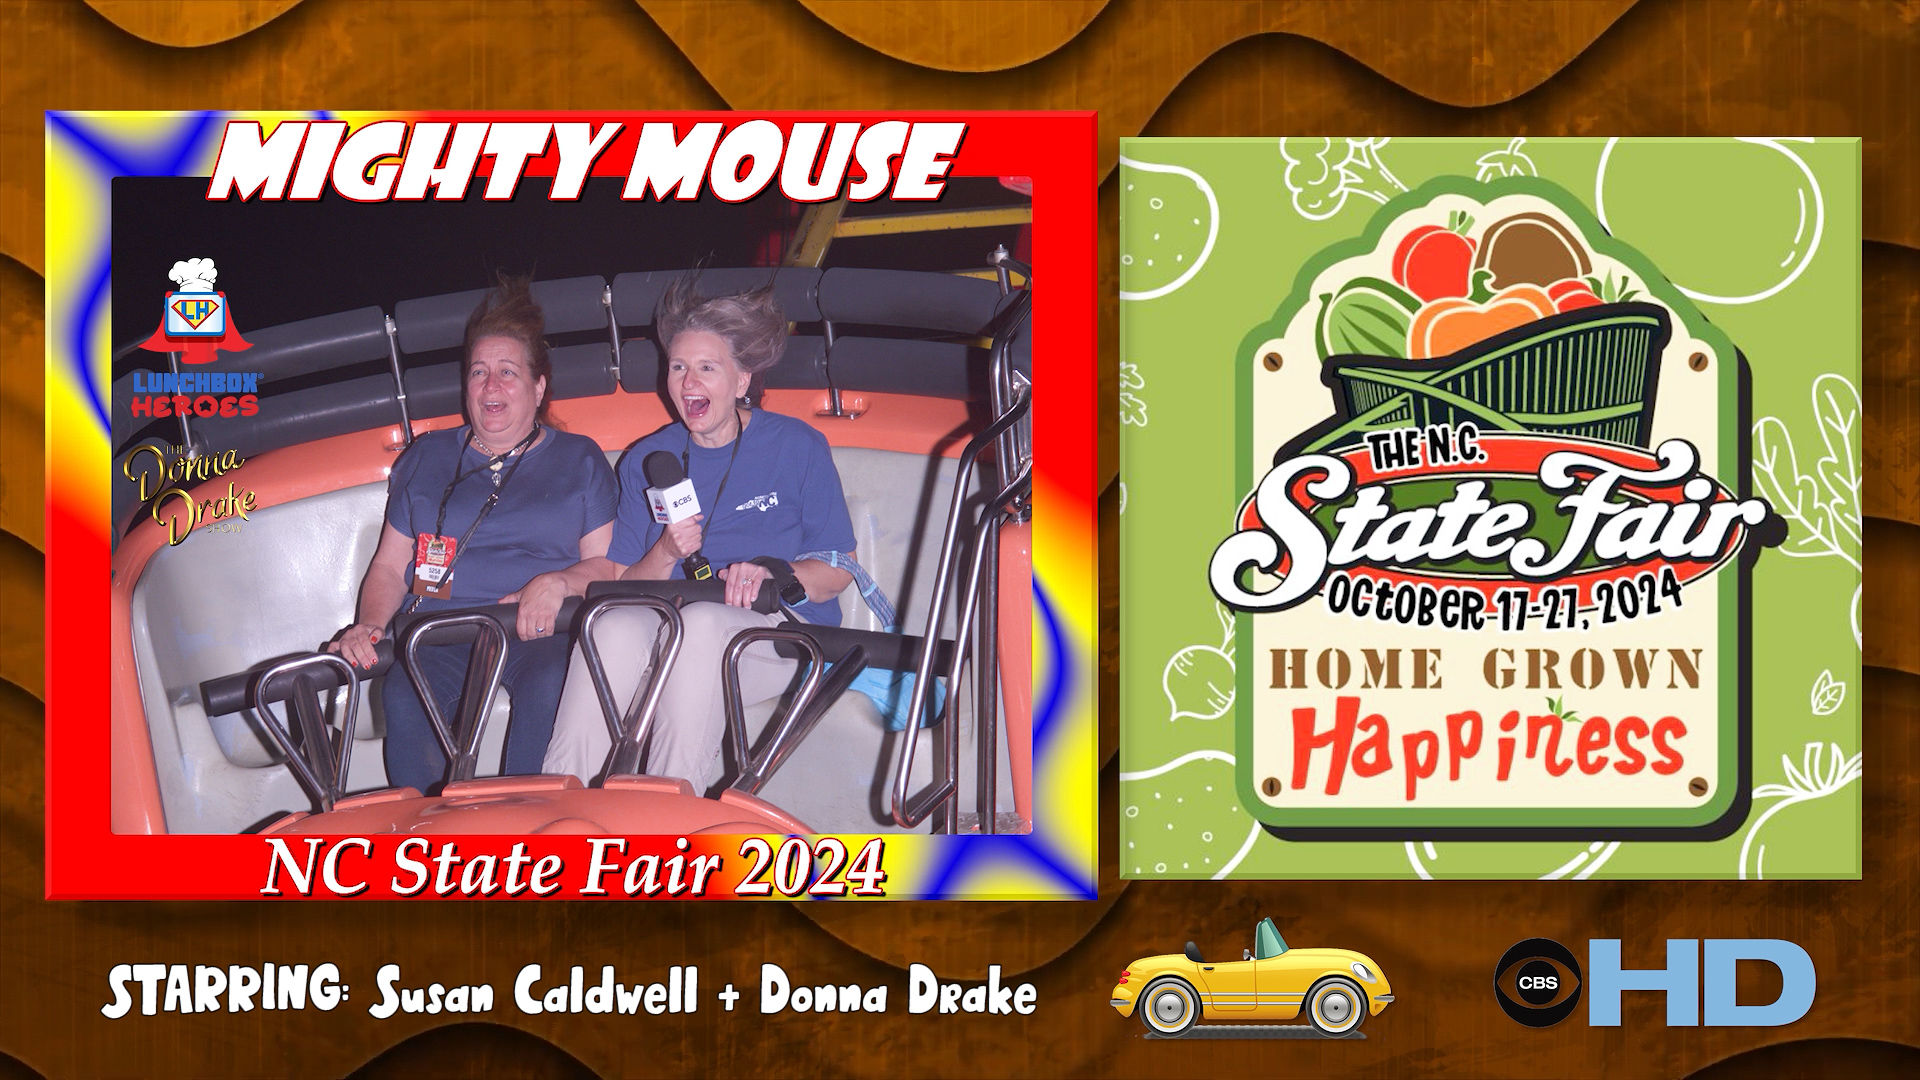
671	497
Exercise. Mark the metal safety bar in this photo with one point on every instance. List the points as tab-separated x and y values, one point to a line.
1015	452
834	407
1002	261
323	774
986	681
629	732
1015	446
485	666
800	722
399	381
1011	505
613	333
1003	383
909	814
802	712
810	703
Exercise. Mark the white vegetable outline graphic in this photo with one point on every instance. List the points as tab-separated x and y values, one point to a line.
1508	162
1182	666
1827	695
1213	227
1801	257
1823	770
1320	185
1822	509
1584	863
1133	409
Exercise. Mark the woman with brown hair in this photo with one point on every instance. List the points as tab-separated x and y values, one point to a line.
501	510
773	510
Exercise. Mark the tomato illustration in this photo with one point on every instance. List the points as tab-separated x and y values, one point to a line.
1434	262
1572	295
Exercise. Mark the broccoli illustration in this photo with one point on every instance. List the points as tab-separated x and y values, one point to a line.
1320	184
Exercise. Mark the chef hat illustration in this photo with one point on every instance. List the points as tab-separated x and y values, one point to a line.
194	275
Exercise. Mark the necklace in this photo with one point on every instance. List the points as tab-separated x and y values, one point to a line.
500	457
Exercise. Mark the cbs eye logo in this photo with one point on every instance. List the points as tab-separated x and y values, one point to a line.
1537	982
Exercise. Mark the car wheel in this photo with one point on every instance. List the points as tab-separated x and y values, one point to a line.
1169	1006
1336	1006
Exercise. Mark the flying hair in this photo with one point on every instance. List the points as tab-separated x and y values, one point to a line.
752	324
510	311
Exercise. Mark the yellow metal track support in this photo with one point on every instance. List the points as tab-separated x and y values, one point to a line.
933	221
815	233
1014	277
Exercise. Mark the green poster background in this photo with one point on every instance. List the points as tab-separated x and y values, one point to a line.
1763	237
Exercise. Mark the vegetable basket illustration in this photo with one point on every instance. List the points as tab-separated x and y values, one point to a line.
1589	373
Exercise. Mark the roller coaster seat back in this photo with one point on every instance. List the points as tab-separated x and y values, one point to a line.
898	411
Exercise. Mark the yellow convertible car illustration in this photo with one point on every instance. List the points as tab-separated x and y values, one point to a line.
1336	988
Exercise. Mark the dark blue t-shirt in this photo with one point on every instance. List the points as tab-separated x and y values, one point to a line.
782	498
562	491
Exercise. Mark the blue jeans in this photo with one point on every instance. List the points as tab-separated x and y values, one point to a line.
535	672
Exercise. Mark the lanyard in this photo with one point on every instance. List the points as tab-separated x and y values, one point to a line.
518	453
686	467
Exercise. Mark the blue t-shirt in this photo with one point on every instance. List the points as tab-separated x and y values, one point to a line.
782	498
562	491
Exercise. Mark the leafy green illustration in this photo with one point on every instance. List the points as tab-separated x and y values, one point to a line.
1508	162
1822	509
1828	693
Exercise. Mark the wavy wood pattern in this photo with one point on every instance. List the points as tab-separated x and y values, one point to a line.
954	35
1661	67
185	24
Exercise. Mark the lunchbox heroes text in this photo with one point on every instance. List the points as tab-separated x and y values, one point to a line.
736	160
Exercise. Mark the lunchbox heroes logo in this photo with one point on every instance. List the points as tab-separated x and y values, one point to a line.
1494	567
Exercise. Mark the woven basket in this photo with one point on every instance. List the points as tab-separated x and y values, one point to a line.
1590	372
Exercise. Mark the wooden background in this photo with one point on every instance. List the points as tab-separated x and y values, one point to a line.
1577	67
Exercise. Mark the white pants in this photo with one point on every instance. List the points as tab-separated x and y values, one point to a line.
690	727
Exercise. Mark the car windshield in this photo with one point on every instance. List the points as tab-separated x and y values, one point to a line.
1267	942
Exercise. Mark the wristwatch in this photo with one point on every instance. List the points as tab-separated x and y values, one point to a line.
784	579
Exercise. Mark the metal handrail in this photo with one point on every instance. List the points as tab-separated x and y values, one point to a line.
1000	386
486	664
986	681
613	334
324	779
1016	446
755	772
1003	385
972	607
1002	260
629	733
399	381
799	723
910	814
